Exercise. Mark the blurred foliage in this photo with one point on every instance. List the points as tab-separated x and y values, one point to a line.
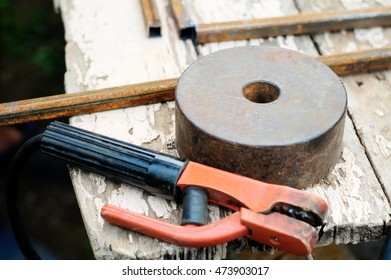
32	37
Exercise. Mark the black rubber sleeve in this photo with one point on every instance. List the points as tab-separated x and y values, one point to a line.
143	168
195	206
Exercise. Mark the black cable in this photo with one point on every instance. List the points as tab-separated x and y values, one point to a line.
12	190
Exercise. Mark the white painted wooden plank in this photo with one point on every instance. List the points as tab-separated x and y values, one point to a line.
358	208
107	45
370	109
368	94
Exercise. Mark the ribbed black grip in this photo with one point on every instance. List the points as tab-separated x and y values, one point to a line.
151	171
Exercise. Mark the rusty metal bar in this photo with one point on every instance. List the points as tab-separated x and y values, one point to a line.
186	26
358	62
151	17
295	24
66	105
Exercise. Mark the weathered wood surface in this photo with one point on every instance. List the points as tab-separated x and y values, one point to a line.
369	98
107	47
365	213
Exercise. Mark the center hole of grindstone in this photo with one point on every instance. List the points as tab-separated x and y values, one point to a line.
261	92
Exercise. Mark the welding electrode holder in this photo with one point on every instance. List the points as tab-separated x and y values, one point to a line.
275	215
153	172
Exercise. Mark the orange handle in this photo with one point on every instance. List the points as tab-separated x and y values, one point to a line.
275	230
220	232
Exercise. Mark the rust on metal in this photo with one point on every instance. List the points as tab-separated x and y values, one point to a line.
151	17
255	118
186	26
66	105
295	24
358	62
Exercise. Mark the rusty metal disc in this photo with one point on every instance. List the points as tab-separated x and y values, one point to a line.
263	112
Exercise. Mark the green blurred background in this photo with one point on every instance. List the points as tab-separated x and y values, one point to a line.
33	65
32	62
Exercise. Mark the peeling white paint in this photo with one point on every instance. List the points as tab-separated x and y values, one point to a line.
171	105
287	42
329	44
214	213
254	42
130	198
99	204
271	8
85	195
374	36
355	4
351	47
348	173
100	182
160	207
380	113
384	2
345	189
206	12
384	145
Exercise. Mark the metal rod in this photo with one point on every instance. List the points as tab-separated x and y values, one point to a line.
66	105
358	62
295	24
151	17
186	26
